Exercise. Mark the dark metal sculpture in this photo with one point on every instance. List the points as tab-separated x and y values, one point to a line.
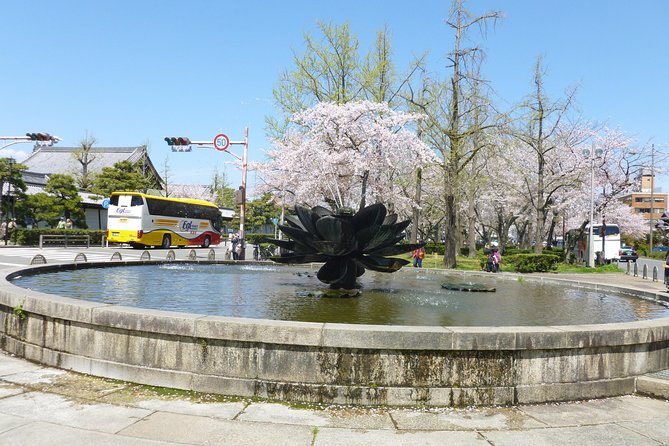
347	243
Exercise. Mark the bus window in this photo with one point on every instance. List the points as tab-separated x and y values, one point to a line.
137	201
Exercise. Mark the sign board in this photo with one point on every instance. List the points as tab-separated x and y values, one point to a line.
105	203
221	142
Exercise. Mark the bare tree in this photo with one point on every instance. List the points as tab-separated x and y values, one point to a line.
85	156
449	107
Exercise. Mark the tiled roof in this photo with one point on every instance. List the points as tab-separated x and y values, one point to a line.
62	159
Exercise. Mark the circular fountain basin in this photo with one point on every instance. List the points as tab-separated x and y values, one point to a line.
439	364
408	297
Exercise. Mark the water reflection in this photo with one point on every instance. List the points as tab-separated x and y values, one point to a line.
284	293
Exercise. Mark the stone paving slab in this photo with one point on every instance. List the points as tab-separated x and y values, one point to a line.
354	437
627	408
599	435
10	422
205	431
57	409
657	430
464	419
354	418
47	434
226	411
9	390
34	377
10	365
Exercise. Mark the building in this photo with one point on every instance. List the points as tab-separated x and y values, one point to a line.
648	198
45	161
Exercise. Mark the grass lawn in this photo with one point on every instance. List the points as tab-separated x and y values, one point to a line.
436	261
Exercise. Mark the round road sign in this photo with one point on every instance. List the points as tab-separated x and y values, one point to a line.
221	142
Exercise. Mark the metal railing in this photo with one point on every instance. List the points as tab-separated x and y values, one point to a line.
65	239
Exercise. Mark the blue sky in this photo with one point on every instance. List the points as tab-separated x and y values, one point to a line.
133	72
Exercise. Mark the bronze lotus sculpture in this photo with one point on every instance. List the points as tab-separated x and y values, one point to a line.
347	243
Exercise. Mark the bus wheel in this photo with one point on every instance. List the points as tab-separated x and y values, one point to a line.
167	242
207	242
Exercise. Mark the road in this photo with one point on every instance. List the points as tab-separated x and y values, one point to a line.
649	263
11	256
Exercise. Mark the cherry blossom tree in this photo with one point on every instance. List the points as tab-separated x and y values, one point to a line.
344	156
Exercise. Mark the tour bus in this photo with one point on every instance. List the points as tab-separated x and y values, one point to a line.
608	243
143	220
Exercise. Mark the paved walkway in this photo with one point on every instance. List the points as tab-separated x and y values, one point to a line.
45	406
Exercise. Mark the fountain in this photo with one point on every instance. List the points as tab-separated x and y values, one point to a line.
440	364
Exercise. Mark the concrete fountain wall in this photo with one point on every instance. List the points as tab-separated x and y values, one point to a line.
330	363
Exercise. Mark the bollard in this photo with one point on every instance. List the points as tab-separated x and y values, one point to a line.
192	255
636	270
655	274
116	256
212	255
628	268
170	255
145	256
645	271
39	259
81	257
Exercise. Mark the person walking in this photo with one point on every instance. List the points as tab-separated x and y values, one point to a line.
418	255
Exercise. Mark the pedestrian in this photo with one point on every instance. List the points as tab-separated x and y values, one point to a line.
9	228
68	224
61	223
3	230
666	271
490	266
418	255
238	251
235	241
497	259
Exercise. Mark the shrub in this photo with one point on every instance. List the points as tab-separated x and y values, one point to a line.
533	263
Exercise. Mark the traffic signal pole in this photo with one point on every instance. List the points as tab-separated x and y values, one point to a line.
221	143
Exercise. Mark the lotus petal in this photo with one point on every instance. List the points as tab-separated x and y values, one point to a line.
380	238
299	258
293	221
382	264
390	219
298	235
369	216
339	272
321	211
307	218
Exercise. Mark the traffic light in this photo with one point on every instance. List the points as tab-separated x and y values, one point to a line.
178	143
40	137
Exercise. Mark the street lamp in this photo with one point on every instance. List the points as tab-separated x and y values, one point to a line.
592	154
221	143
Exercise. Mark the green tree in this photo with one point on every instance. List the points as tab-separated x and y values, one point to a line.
59	199
124	176
261	211
224	195
10	174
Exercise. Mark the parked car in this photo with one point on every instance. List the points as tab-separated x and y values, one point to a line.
628	254
661	248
